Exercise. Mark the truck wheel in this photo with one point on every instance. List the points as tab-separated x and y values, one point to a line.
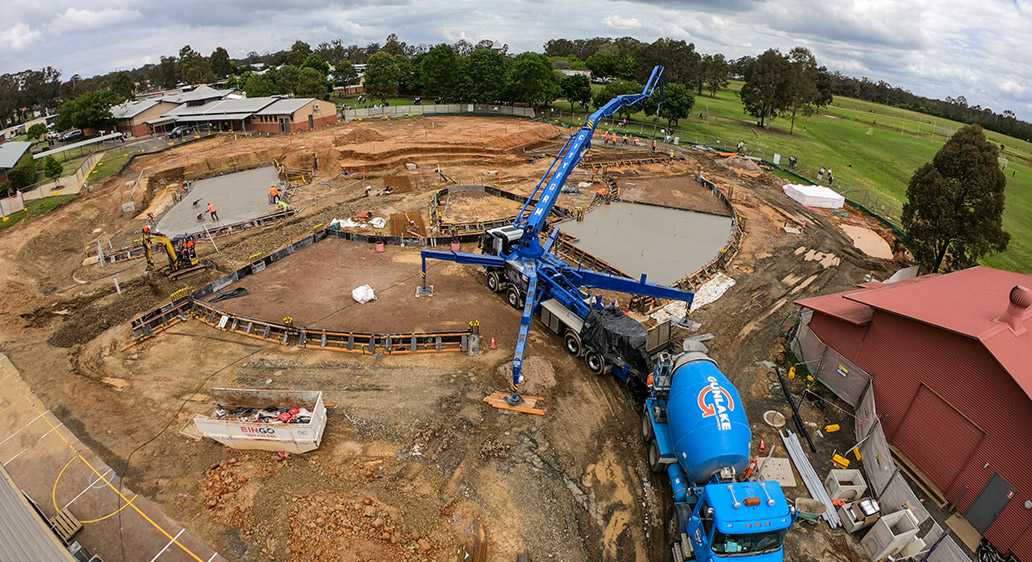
596	364
572	342
646	427
654	461
677	522
493	282
513	296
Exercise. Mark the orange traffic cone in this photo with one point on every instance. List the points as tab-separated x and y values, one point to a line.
493	346
763	446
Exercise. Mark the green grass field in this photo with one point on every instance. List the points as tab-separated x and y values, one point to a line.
35	207
870	146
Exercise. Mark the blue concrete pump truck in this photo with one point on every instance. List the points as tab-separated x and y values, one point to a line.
696	431
694	421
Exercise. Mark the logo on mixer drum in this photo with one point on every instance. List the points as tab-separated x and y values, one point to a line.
719	404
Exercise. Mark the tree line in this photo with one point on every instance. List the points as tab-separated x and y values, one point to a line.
775	84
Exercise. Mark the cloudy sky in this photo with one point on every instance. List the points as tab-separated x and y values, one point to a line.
976	48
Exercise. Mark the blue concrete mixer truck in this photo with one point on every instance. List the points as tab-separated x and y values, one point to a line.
697	432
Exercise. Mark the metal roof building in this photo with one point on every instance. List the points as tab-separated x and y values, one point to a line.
951	361
24	536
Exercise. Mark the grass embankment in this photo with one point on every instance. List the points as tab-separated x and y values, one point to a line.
868	145
35	207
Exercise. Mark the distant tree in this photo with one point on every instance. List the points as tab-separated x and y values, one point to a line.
166	73
344	74
91	110
220	63
602	64
36	131
311	84
40	88
559	47
483	76
409	77
677	103
332	52
394	47
51	167
682	65
740	65
259	85
382	75
531	79
764	92
193	68
316	62
463	48
824	88
124	86
9	85
286	79
954	208
439	70
801	86
22	174
299	51
716	73
577	89
618	88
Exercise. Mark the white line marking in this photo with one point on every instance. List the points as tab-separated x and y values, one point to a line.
162	551
213	556
88	487
24	426
49	432
15	456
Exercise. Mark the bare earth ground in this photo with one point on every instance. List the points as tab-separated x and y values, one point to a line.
413	465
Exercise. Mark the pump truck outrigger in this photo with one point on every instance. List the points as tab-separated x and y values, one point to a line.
538	278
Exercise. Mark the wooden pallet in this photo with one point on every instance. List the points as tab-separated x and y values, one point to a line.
65	525
528	406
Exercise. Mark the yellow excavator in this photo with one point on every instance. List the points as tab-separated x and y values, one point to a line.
182	255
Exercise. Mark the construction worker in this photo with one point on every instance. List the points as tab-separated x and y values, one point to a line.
146	229
211	210
653	145
274	195
189	249
625	139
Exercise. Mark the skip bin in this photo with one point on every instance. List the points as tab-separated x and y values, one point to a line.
238	433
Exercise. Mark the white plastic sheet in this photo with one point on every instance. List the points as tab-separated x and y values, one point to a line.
378	222
363	294
815	196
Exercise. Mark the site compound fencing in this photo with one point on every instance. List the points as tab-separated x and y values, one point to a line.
884	481
431	108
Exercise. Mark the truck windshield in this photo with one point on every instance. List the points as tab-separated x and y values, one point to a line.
740	545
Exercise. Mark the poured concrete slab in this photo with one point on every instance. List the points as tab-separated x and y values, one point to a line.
237	197
666	244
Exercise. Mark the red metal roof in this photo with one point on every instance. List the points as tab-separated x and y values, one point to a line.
967	302
838	306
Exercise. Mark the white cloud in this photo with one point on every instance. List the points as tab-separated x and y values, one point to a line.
75	19
19	36
616	22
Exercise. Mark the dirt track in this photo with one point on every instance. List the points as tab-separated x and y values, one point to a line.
413	465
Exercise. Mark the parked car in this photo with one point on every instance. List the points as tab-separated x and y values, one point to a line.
178	132
70	135
53	134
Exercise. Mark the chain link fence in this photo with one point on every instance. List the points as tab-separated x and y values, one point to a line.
884	480
389	111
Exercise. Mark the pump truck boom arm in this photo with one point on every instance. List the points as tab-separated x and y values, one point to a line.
563	166
533	271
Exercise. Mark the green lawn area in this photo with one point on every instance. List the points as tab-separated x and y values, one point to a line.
869	146
109	165
36	207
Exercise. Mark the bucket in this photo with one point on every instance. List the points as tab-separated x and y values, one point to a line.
455	246
379	246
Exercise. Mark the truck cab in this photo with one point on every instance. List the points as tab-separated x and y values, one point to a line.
741	520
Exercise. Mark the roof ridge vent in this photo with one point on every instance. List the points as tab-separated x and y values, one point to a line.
1019	308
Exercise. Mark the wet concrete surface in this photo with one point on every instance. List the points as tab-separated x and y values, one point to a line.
665	244
237	197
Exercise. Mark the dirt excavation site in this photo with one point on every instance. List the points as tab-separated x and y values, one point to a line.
413	465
